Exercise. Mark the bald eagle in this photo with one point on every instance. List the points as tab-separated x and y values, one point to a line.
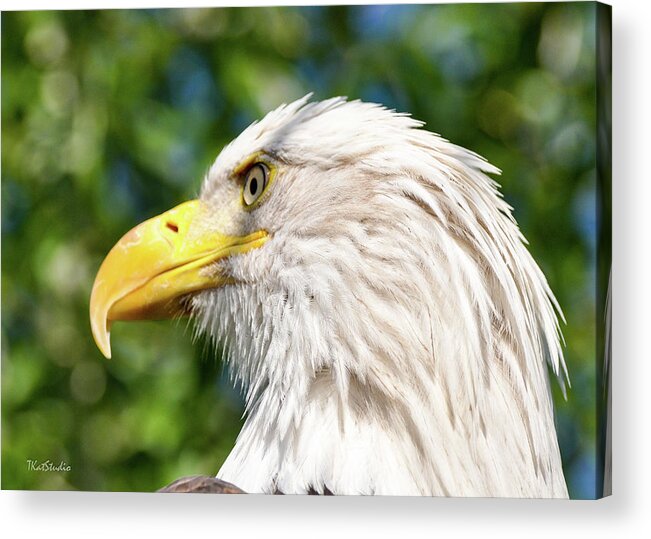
388	327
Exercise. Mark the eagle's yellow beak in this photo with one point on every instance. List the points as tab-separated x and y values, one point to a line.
155	264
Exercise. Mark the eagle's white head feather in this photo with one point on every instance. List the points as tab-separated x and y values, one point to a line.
393	336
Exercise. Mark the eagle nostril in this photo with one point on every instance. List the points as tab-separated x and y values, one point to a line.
172	226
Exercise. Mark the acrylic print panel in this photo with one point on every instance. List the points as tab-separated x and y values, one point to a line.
345	305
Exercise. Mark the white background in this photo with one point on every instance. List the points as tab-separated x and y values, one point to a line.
626	514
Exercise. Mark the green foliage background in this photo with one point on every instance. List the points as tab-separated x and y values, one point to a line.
110	117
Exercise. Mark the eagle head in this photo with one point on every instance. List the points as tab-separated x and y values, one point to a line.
376	302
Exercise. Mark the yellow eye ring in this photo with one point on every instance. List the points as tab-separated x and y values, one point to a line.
255	183
257	166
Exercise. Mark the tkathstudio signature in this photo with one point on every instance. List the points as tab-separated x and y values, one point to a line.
47	466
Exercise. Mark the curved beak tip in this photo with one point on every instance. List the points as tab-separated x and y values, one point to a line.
105	348
107	351
101	331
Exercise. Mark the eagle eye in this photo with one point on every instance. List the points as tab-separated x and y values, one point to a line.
256	180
